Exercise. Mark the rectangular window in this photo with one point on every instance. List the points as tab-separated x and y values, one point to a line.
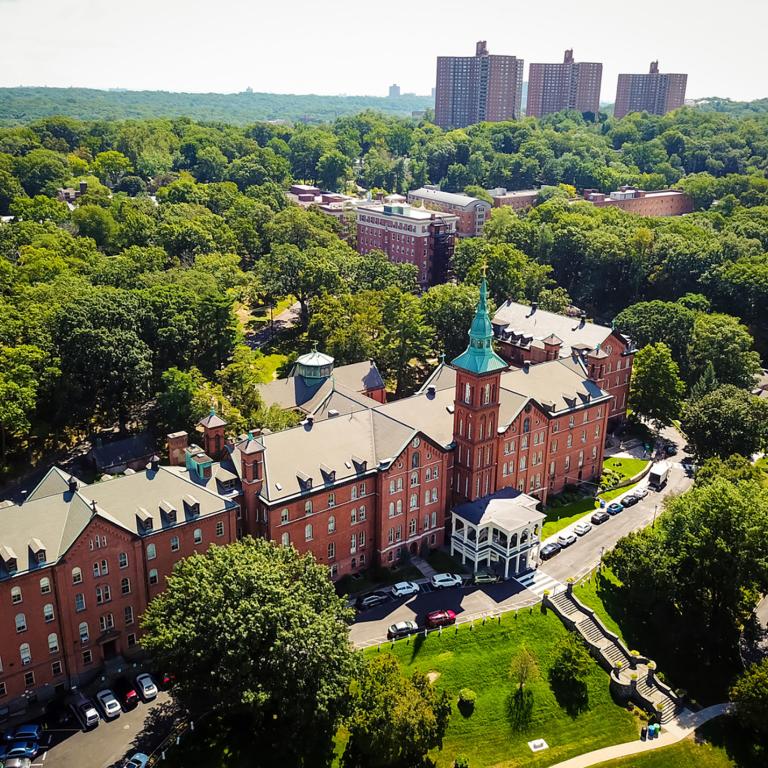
106	622
103	595
29	679
125	586
174	543
220	528
122	560
331	499
87	657
56	668
353	544
198	536
331	550
128	615
131	640
79	602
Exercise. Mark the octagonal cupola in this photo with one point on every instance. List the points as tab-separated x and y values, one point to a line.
314	367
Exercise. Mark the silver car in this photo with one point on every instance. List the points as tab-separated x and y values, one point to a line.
108	704
146	687
405	588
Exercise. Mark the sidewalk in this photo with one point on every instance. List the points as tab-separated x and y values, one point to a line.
677	730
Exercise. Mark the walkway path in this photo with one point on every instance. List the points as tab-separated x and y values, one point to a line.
681	727
423	566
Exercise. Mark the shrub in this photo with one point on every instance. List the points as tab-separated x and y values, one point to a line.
461	761
467	698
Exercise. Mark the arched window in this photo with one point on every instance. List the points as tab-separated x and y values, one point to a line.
467	393
83	630
399	506
414	478
48	612
426	496
391	508
151	551
427	474
461	427
286	539
354	492
308	507
16	596
482	428
526	425
415	460
198	535
45	585
53	643
524	536
21	622
486	394
414	501
490	425
513	541
308	532
331	524
25	653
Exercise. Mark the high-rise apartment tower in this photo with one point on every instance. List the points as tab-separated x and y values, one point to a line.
570	85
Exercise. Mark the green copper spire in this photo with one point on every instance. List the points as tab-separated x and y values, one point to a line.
479	356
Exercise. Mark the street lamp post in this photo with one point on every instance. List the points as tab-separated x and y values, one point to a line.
655	509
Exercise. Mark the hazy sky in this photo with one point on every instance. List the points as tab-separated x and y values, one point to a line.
316	46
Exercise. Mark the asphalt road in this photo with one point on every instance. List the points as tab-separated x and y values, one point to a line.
110	743
470	602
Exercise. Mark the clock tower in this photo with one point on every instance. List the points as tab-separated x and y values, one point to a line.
476	409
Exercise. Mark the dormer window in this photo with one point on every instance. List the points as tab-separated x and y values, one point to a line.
305	481
8	556
144	522
168	512
191	506
329	475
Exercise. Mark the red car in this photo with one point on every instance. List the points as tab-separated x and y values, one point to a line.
440	619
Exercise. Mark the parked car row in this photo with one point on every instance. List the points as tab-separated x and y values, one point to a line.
599	517
433	620
408	588
20	745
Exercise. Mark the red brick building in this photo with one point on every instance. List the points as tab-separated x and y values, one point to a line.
570	85
655	92
474	89
663	202
527	334
470	212
79	563
407	234
518	199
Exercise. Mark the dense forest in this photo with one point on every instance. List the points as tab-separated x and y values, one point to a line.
129	307
19	105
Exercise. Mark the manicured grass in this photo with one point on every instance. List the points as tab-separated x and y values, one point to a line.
442	562
480	660
561	517
617	470
686	754
272	364
591	592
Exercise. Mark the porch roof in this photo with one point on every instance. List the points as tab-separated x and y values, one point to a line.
507	509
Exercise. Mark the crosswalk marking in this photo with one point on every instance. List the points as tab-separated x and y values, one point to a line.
538	581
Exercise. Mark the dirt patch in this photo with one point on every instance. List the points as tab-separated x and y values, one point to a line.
432	676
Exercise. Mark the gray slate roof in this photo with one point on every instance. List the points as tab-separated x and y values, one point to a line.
121	452
540	324
56	516
438	196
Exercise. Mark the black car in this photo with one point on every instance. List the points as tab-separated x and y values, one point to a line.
599	517
369	601
549	550
629	500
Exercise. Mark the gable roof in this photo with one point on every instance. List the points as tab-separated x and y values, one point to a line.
53	517
521	319
120	452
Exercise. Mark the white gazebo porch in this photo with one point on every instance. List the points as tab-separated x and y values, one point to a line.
503	528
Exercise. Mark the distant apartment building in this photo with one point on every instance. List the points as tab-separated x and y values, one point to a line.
69	194
518	199
471	212
332	203
474	89
570	85
664	202
408	234
394	91
656	92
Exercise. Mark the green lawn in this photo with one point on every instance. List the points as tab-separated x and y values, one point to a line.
442	562
591	593
718	744
479	660
561	517
686	754
617	470
273	363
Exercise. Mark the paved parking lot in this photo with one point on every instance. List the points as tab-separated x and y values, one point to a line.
110	742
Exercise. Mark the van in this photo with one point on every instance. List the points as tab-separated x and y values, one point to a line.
657	477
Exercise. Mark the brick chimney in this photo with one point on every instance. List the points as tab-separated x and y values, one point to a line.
177	443
212	427
552	346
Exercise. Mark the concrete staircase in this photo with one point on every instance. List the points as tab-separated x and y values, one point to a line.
632	677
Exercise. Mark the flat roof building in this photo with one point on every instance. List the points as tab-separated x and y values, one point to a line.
655	92
472	213
662	202
570	85
474	89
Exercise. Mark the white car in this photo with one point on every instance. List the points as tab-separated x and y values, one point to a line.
443	580
109	705
641	492
146	687
405	588
582	528
139	760
566	539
